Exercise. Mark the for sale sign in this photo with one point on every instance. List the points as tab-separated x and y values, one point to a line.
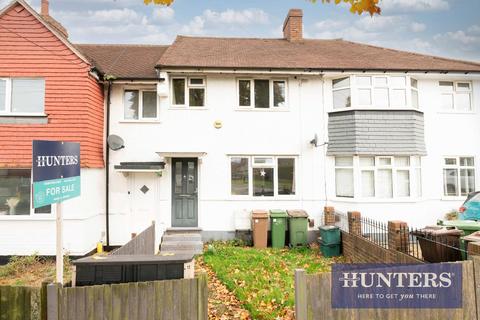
56	172
410	286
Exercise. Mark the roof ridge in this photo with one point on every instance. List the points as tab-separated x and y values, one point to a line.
121	45
228	38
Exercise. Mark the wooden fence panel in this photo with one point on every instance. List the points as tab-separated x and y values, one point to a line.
142	244
20	303
185	299
313	300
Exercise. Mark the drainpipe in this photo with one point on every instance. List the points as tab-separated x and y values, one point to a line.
107	171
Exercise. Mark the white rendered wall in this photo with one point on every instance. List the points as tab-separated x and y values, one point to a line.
84	222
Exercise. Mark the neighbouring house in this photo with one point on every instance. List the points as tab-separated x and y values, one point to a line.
49	90
216	127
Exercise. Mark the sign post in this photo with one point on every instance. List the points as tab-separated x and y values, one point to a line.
56	177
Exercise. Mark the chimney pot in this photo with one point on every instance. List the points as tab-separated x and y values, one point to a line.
293	25
44	8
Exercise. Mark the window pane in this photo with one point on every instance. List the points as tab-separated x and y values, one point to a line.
197	97
263	160
286	176
397	81
368	184
467	162
367	161
130	105
28	95
341	83
446	101
43	210
446	86
450	182
244	93
14	192
414	99
418	181
364	81
413	83
3	90
398	98
178	91
462	101
402	161
385	161
191	183
467	181
384	183
381	81
463	86
343	161
239	177
262	93
196	81
341	98
403	183
381	97
178	177
344	182
149	104
364	97
263	182
278	93
450	161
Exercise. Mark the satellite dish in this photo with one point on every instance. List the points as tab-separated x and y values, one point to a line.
314	141
115	142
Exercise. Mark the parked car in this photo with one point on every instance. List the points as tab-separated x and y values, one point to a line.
470	209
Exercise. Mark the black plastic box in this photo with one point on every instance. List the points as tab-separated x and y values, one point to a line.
97	270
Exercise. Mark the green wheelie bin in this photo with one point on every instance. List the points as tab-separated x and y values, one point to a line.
298	227
278	219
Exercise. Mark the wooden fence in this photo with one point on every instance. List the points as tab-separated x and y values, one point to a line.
184	299
142	244
313	300
23	303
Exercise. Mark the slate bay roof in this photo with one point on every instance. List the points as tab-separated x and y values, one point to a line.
244	53
124	61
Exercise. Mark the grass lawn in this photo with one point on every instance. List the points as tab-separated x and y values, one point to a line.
31	271
263	279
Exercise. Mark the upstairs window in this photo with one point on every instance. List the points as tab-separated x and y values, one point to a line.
262	93
188	92
380	91
140	105
20	96
455	96
458	176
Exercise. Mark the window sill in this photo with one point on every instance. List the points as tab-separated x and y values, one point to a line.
23	119
376	200
188	108
139	121
271	109
375	109
28	217
274	198
455	112
454	198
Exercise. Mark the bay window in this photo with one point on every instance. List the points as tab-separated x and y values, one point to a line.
188	92
140	105
262	93
262	176
455	95
15	189
22	96
378	176
378	91
458	176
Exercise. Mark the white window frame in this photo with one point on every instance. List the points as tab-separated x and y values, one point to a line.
274	165
349	87
355	87
188	86
271	107
457	167
454	94
8	99
140	105
415	187
32	213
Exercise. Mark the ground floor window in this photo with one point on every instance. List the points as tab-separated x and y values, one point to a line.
15	188
458	176
262	176
378	176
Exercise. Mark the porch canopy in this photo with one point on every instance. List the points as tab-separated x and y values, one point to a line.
182	154
140	166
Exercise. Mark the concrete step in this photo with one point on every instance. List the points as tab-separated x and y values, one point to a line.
196	247
182	237
183	230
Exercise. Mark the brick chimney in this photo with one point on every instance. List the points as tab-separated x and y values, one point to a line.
293	25
44	8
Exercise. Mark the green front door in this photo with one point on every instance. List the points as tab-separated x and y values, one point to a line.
184	192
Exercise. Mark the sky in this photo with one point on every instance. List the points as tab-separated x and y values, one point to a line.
449	28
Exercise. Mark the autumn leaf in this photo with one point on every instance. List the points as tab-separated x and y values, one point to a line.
160	2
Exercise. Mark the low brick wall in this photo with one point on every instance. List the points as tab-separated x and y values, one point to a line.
356	249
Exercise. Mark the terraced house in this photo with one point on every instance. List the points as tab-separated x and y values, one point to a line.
215	127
